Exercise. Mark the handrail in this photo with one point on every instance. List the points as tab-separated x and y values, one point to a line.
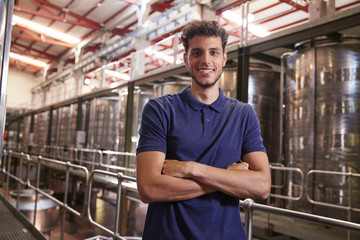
120	177
37	162
117	179
289	169
349	174
249	206
69	167
96	160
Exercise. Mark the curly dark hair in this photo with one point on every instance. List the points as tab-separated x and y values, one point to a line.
203	28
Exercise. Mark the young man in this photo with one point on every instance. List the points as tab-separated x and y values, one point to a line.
200	151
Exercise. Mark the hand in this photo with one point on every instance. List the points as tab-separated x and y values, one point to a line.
175	168
239	166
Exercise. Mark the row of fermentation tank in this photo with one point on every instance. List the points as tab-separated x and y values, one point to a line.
315	127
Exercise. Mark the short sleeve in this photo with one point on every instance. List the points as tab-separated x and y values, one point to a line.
152	128
253	141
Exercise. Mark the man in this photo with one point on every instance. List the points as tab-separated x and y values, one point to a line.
191	146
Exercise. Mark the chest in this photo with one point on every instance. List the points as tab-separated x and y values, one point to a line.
206	136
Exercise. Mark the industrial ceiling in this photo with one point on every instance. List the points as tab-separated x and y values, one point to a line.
92	25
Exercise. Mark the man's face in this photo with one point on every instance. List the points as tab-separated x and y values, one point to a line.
205	60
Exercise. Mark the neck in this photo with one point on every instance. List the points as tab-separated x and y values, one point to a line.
205	95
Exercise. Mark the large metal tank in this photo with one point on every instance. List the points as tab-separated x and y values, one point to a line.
170	87
263	95
107	121
47	211
322	123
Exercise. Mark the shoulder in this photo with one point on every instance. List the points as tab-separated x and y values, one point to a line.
238	106
164	102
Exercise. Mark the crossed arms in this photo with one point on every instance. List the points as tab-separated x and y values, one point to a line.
163	180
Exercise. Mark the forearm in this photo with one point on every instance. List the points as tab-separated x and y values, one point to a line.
252	182
238	183
167	188
155	186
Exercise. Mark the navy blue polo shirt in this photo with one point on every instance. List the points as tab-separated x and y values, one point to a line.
217	135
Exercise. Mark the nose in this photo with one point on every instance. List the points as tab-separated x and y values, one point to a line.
205	58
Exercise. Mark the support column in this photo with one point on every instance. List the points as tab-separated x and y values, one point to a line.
204	11
7	8
49	133
242	81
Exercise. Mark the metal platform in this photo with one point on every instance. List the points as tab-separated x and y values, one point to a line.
14	226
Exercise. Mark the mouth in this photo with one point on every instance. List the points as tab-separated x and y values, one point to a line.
205	70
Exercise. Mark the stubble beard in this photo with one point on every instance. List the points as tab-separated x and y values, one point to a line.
206	85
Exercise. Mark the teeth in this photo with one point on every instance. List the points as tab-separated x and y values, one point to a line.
205	71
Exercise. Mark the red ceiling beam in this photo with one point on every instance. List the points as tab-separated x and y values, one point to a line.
161	6
35	56
266	8
287	25
278	16
70	13
44	40
348	5
17	51
120	31
27	66
230	6
42	7
41	54
57	18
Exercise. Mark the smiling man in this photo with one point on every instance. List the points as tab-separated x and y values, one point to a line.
200	151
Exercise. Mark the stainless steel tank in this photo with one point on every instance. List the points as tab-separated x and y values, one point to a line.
263	95
66	126
47	214
107	122
170	87
322	122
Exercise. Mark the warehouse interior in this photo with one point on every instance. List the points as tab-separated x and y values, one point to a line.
77	73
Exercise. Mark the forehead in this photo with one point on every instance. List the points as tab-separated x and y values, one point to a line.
205	42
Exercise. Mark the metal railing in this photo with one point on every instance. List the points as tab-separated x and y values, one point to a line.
118	178
249	206
20	159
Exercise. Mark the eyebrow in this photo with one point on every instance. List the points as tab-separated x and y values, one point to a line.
201	49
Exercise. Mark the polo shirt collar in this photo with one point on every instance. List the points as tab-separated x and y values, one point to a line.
196	105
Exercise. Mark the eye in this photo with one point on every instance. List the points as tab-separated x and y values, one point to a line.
195	53
214	52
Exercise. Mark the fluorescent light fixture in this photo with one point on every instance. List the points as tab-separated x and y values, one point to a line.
27	60
253	28
45	30
122	76
257	30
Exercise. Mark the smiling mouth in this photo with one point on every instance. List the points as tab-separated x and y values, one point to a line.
206	70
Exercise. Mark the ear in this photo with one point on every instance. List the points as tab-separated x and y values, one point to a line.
185	59
225	58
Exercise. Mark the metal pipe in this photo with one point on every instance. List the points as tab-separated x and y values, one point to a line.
7	174
118	203
307	216
18	185
247	206
281	101
5	49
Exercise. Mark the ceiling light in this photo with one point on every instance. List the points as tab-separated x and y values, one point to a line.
45	30
27	60
253	28
87	81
